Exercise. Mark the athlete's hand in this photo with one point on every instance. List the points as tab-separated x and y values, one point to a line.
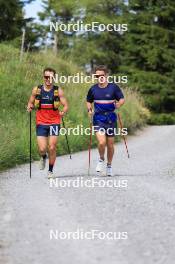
29	107
90	113
117	105
61	113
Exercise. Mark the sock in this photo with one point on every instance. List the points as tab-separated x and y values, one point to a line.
44	156
51	167
109	165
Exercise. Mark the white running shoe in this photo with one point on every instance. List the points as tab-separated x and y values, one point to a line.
50	175
42	163
109	170
100	166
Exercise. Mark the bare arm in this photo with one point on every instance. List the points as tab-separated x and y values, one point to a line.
31	101
64	102
90	109
120	103
89	106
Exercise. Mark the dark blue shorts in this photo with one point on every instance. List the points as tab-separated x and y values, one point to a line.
108	129
47	130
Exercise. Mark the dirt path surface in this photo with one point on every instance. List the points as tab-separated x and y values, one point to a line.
140	207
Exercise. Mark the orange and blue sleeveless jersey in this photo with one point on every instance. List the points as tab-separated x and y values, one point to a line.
46	115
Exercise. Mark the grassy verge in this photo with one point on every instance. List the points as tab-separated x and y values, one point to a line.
162	119
17	80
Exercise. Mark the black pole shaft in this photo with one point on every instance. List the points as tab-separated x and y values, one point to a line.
68	147
30	121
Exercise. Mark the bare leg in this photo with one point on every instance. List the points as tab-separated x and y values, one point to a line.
110	149
53	140
42	145
101	144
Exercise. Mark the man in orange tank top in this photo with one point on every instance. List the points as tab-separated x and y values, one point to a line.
48	97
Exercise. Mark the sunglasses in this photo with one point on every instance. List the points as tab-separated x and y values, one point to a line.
47	77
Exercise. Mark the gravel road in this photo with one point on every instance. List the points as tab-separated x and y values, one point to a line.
39	220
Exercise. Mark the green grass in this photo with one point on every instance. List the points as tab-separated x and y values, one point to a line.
17	80
162	119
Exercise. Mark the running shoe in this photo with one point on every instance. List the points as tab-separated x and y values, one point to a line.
109	170
100	166
50	175
42	163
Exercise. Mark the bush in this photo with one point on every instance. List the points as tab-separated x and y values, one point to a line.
161	119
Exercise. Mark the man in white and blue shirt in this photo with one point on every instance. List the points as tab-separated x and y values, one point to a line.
105	97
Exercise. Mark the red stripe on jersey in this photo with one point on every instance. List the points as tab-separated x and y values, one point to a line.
46	106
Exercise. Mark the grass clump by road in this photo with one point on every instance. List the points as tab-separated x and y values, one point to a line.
16	81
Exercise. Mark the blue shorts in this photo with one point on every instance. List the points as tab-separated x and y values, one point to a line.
108	129
47	130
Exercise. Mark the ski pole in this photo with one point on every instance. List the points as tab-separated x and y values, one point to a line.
121	126
90	144
67	142
30	124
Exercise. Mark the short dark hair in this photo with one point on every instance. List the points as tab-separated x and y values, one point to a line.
101	68
50	70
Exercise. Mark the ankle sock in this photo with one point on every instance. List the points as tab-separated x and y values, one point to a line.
51	167
109	165
44	156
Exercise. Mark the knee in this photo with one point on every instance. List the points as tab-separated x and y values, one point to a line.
42	150
52	148
102	143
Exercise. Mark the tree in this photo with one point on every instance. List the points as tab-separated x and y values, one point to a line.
11	19
149	51
61	12
102	47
